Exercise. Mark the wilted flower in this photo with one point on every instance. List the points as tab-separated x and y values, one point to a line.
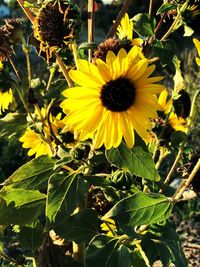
55	25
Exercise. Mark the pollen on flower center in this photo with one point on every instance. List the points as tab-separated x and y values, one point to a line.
118	95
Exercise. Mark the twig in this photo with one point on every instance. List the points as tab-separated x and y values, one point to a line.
26	10
90	27
118	19
160	23
173	168
150	7
181	190
171	29
14	67
63	69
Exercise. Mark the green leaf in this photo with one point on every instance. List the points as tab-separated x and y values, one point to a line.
137	161
31	236
177	138
104	251
167	236
12	124
156	250
19	206
165	8
32	175
165	50
144	24
97	180
91	45
140	209
65	192
82	226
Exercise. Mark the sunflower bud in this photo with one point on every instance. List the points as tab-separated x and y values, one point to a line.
121	180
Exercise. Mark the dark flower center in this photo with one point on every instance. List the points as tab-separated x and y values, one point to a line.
118	95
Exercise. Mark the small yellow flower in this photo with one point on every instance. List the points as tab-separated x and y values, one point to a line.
125	31
108	226
197	44
36	143
113	98
6	95
42	143
177	123
5	99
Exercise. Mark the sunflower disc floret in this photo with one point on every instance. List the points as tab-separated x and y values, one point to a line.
113	99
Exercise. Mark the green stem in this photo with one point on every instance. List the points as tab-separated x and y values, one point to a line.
25	49
171	29
190	118
75	54
51	76
192	110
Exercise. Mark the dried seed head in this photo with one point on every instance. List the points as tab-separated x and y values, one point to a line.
55	25
111	44
6	47
14	29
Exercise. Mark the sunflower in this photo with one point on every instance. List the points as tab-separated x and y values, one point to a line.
125	31
124	40
114	98
197	44
6	95
37	144
5	99
177	123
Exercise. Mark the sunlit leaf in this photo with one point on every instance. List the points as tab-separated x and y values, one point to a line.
137	161
140	209
19	206
32	175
